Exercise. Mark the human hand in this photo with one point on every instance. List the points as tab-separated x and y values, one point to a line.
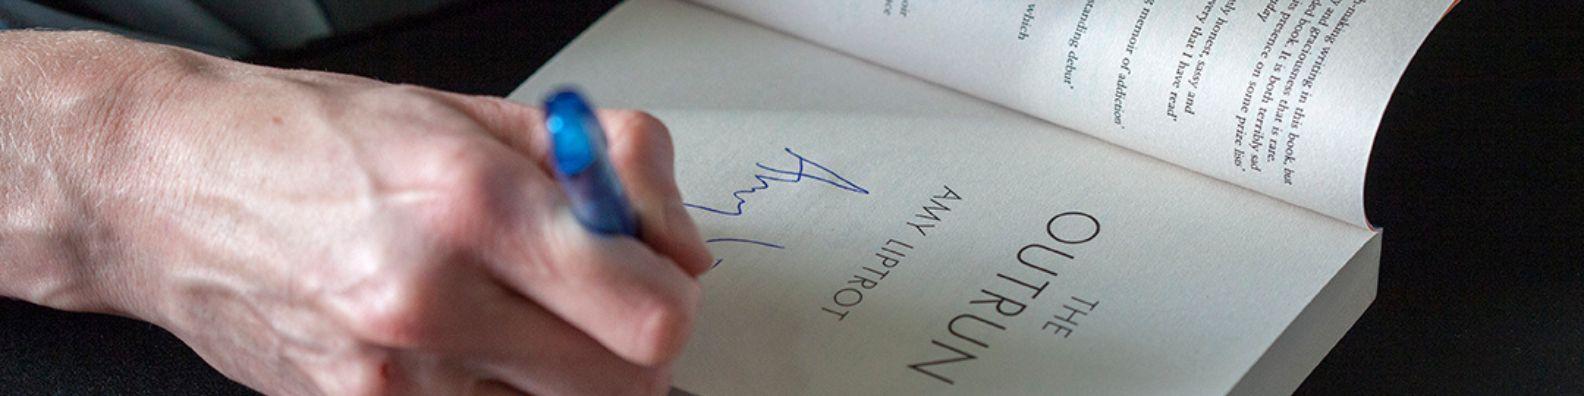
313	233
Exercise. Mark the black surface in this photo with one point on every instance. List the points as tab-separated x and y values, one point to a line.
1475	176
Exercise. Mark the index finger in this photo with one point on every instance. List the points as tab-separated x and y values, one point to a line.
641	152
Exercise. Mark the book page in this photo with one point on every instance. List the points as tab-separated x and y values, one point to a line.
1280	96
877	234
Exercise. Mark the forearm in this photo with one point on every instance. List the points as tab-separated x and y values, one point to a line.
66	109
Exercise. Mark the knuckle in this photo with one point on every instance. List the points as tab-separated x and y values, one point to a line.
456	162
640	141
394	328
461	179
641	122
640	119
669	318
400	314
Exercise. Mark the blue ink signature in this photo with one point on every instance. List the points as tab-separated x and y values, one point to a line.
783	176
747	241
740	240
776	175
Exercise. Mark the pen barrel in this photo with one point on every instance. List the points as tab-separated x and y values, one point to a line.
599	202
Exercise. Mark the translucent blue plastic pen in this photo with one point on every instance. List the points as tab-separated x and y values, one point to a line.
581	165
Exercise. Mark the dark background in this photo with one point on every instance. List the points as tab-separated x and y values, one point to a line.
1475	176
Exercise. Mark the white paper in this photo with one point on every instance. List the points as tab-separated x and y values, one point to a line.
1166	78
1191	279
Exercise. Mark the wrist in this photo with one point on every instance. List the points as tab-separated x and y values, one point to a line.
74	105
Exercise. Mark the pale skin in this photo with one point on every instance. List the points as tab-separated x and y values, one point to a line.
313	233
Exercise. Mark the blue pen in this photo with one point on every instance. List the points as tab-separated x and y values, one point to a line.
581	165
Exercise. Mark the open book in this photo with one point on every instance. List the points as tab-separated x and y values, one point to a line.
992	197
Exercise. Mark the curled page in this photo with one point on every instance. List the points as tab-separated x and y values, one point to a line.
1280	96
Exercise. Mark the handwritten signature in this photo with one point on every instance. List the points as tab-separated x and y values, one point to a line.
784	176
740	240
806	169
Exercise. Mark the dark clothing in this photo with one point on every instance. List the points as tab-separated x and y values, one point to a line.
222	27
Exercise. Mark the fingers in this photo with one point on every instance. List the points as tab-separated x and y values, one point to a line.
641	151
528	349
455	324
636	303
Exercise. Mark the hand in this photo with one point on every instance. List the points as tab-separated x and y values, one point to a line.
313	233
